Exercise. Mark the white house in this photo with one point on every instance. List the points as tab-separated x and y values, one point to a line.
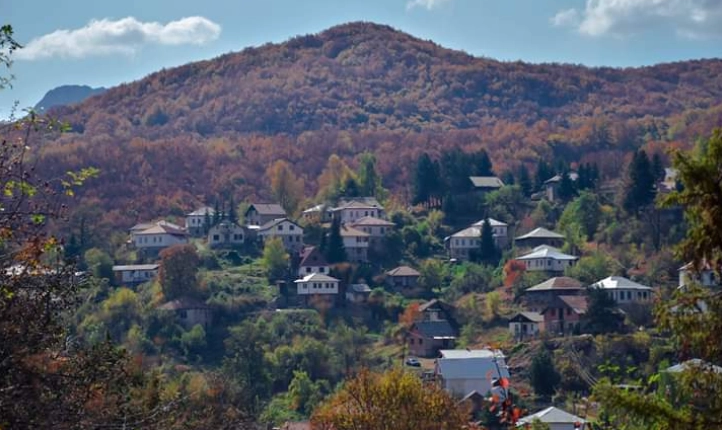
704	276
525	325
261	213
463	371
463	243
196	220
624	291
312	261
349	211
158	237
376	228
547	259
226	234
135	274
316	284
356	243
290	233
555	418
540	236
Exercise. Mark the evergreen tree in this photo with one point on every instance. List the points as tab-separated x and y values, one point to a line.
543	172
232	211
206	222
543	375
525	181
369	179
351	187
425	181
567	189
641	188
488	253
657	167
602	315
216	212
508	178
481	164
335	251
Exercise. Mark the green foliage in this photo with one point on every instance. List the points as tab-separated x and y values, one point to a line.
194	340
246	365
506	204
592	268
335	250
99	263
602	315
178	272
543	375
584	211
433	273
304	393
275	258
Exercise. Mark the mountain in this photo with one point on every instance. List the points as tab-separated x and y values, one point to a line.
66	95
185	135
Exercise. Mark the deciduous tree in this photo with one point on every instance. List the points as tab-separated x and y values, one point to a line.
178	272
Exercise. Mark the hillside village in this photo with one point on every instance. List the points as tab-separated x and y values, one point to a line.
497	296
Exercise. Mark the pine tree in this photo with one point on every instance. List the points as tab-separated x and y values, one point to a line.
543	172
206	222
567	189
543	375
335	251
525	181
641	188
216	212
232	212
488	252
481	164
424	180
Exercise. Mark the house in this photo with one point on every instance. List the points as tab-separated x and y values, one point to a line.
351	210
403	277
226	234
526	325
376	228
669	183
537	298
190	312
463	244
358	293
312	261
625	291
134	274
196	221
463	371
159	236
704	275
564	314
436	310
486	183
290	233
427	338
551	185
547	259
318	213
539	236
555	418
356	243
316	284
263	213
693	364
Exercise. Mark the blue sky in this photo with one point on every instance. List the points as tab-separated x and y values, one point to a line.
103	43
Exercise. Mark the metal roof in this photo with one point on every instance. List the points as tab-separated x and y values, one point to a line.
486	181
551	415
557	283
547	252
316	277
619	282
133	267
540	233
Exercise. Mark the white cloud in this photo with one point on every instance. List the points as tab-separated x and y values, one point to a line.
426	4
565	18
699	19
124	36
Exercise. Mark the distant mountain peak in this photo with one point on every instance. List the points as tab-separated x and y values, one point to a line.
66	95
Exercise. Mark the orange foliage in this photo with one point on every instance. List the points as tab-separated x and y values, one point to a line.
513	270
410	315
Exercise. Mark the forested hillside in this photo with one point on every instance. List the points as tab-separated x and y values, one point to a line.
213	127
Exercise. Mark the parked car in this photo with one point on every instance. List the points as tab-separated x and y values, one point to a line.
413	361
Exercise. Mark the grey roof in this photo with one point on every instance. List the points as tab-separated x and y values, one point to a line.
551	415
267	209
529	316
540	233
619	282
202	211
134	267
473	367
473	232
694	363
547	252
434	329
486	181
317	277
469	353
403	271
359	288
274	222
557	178
493	222
557	283
372	221
184	303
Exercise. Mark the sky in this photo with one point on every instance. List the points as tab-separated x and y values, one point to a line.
106	43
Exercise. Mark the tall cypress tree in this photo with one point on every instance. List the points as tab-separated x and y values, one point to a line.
335	251
232	211
487	251
641	187
525	181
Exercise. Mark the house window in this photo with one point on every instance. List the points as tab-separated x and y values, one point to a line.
321	269
183	314
421	341
383	230
215	238
290	227
280	228
308	270
411	341
629	295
